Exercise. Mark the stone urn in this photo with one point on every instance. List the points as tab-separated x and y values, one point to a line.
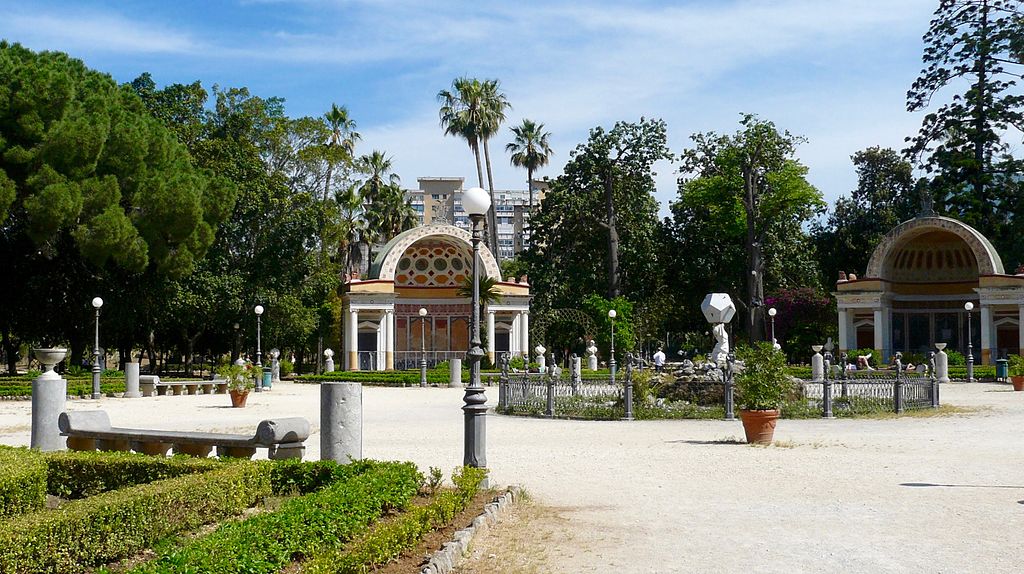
49	357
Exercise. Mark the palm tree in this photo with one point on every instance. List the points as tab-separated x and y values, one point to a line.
340	147
377	168
489	292
529	150
350	226
474	110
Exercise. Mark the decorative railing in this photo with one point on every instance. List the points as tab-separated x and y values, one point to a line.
558	393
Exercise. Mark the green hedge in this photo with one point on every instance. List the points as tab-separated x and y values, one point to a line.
17	387
22	481
117	524
381	378
389	539
82	474
303	527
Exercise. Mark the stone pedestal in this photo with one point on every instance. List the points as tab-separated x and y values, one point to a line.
541	363
942	366
341	421
329	365
817	365
49	394
455	373
575	368
131	381
592	362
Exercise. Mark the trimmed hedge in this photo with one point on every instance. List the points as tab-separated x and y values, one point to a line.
388	540
301	528
120	523
381	378
22	481
82	474
17	387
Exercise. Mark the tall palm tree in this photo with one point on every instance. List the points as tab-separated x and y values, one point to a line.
530	150
474	110
377	168
340	147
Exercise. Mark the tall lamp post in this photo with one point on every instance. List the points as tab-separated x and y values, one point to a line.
970	343
259	353
96	368
611	358
423	347
476	202
771	313
237	351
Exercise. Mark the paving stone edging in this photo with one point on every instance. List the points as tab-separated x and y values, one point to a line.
448	557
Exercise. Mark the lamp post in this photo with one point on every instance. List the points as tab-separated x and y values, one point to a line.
237	352
96	368
423	347
771	314
259	353
611	359
476	202
970	346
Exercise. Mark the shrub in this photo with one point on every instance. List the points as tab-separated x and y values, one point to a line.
22	481
381	378
296	476
287	367
763	384
81	474
120	523
955	359
1016	366
518	363
302	527
390	539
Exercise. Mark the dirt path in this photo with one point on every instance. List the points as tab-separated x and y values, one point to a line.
901	495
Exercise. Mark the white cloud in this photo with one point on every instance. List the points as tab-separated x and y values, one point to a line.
101	32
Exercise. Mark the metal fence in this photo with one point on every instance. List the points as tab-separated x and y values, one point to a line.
891	391
558	393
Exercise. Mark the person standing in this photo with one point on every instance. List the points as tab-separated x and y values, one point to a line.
659	360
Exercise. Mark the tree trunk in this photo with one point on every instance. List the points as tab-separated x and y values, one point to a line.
529	186
979	126
11	352
613	236
492	219
755	260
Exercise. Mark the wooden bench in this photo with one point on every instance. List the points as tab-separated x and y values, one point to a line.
151	385
91	430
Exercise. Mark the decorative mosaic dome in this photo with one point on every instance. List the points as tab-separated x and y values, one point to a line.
931	257
433	263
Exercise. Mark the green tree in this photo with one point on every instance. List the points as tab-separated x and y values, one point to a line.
973	48
885	196
754	179
530	150
598	222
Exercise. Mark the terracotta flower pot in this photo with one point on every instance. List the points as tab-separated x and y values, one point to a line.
759	426
238	398
1018	383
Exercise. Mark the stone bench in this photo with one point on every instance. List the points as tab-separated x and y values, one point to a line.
91	430
151	385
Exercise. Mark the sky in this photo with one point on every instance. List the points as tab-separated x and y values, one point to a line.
835	72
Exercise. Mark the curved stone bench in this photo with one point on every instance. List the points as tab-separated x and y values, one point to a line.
151	385
91	430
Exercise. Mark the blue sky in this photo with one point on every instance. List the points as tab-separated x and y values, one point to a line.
834	71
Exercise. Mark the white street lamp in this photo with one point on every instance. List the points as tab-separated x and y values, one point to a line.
611	359
968	306
259	353
96	368
771	313
476	202
423	347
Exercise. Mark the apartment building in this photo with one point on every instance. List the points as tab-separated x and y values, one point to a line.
439	199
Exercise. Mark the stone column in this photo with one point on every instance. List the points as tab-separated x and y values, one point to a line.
524	341
389	350
986	335
341	421
353	340
131	381
455	372
817	365
382	335
49	393
1020	330
942	365
847	331
881	327
490	336
513	334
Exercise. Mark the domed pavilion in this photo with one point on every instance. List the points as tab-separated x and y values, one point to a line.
913	292
423	268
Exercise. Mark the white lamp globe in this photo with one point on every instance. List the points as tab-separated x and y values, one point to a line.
968	305
772	312
423	311
258	309
476	201
97	302
612	313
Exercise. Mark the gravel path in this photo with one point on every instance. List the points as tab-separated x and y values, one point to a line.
941	494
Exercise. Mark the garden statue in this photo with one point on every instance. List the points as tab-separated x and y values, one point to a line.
329	361
719	309
275	366
541	361
721	350
591	355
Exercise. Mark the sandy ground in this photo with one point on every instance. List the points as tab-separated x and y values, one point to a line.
940	494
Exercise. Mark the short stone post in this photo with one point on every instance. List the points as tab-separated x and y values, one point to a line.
341	421
628	394
131	381
575	373
49	393
817	364
941	363
455	373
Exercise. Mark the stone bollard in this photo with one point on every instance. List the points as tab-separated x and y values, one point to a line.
455	373
341	421
131	381
49	393
817	364
575	373
941	363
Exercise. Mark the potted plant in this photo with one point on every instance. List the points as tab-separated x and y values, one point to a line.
1017	372
241	379
761	388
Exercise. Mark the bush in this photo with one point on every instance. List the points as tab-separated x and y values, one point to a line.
295	476
1016	366
389	540
22	481
763	384
302	527
287	367
120	523
82	474
955	359
381	378
518	363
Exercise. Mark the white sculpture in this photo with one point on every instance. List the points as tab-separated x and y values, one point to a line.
275	366
329	362
541	362
718	309
591	355
817	364
721	351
